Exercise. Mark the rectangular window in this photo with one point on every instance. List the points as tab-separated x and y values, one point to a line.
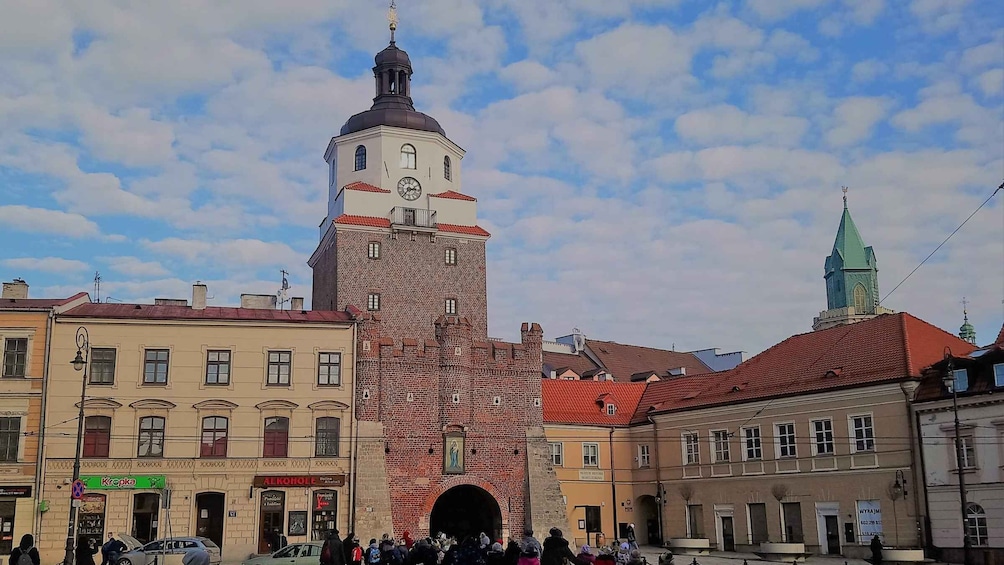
329	369
643	456
864	433
15	357
557	453
218	367
999	374
155	367
785	440
102	366
960	380
279	367
276	437
326	437
151	437
97	436
373	302
792	514
822	436
373	250
720	439
451	256
695	521
451	305
758	522
754	449
214	437
968	452
590	455
692	449
10	439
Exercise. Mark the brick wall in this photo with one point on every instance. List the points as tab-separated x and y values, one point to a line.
408	384
411	277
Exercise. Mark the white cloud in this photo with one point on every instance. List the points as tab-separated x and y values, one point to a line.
235	252
868	70
943	103
773	10
41	220
131	138
854	119
728	124
528	75
46	264
981	56
938	16
991	82
135	267
624	58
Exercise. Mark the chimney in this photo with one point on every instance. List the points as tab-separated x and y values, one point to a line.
170	302
15	289
258	301
198	296
296	303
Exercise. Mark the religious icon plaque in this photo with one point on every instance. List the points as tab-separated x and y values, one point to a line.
453	453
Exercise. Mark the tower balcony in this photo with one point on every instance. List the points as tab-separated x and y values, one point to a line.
416	219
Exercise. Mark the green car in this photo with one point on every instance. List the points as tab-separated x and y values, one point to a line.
293	554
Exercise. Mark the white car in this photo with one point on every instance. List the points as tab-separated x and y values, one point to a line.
170	547
293	554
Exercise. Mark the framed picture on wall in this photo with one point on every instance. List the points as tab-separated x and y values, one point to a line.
298	522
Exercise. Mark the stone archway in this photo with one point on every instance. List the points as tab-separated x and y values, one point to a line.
647	525
466	510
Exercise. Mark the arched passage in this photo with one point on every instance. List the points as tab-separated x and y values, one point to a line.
647	527
466	510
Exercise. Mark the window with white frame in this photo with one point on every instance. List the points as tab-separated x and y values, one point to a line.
976	524
864	432
785	434
373	250
691	449
280	366
408	156
451	306
822	437
644	460
720	442
373	302
999	374
15	357
329	367
590	455
754	449
557	453
10	438
217	367
451	256
611	409
102	370
968	452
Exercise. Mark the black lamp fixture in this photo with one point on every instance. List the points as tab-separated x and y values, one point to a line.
80	365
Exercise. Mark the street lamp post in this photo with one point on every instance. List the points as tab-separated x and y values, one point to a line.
949	381
79	364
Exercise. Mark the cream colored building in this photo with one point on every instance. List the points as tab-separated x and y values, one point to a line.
223	422
24	342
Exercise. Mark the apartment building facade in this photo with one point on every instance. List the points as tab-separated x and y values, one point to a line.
229	423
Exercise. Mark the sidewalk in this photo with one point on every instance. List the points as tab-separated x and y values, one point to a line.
652	553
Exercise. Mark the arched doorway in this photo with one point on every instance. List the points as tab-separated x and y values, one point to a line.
647	527
466	510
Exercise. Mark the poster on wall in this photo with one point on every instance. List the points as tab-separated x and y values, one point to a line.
869	520
298	522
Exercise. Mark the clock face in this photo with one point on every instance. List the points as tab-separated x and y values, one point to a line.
409	189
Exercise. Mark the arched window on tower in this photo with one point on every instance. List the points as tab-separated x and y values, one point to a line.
447	169
408	158
360	157
860	299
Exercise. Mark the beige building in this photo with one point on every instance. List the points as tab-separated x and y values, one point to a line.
24	342
229	423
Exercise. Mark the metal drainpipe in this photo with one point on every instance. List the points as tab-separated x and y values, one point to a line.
353	430
613	483
659	495
914	449
40	449
923	473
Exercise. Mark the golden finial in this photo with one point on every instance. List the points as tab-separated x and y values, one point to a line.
392	18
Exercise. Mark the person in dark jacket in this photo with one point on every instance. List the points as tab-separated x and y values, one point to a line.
876	547
347	547
512	551
495	555
335	551
556	550
26	547
86	550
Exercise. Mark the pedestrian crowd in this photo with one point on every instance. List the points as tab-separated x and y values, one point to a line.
473	550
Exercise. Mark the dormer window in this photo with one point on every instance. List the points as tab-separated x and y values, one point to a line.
360	158
611	409
447	169
408	156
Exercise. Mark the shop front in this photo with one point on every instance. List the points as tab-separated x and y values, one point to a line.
140	494
16	513
300	507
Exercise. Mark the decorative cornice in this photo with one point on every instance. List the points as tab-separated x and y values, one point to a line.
152	403
214	404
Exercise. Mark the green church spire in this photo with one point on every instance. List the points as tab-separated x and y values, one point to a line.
967	331
851	272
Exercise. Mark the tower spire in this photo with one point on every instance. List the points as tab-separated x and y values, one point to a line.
844	189
967	331
392	19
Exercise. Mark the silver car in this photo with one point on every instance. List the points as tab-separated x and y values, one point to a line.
171	546
293	554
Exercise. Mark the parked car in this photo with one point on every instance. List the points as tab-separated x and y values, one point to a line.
293	554
171	546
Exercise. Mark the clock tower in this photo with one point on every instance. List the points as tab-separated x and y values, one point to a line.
400	239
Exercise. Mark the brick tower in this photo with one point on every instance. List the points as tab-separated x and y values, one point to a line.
449	432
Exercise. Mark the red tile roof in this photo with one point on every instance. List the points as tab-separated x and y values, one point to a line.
622	361
455	195
466	230
577	363
370	221
36	303
157	312
884	349
365	187
1000	337
575	402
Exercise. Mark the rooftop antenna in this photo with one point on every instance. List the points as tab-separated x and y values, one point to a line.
392	19
844	190
97	286
281	295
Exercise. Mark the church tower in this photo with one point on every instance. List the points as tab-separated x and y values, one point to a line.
851	275
400	239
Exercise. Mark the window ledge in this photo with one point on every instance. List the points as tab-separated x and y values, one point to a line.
968	470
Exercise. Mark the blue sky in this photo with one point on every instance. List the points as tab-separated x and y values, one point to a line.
652	172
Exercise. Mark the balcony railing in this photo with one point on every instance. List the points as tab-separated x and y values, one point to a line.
413	217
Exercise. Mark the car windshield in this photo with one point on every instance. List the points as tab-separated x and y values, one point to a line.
288	551
153	546
209	543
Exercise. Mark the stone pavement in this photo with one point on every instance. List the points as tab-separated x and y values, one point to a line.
652	553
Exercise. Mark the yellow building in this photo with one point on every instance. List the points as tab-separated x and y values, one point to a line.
229	423
24	341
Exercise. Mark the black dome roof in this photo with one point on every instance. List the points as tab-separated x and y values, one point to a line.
391	55
408	118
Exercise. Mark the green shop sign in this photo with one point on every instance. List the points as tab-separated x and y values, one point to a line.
120	482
